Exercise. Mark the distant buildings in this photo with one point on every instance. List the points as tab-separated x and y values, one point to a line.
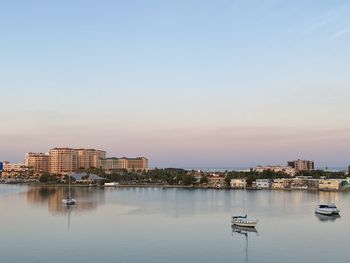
88	158
63	160
216	180
238	183
330	184
302	165
10	169
262	183
130	164
276	168
66	160
37	162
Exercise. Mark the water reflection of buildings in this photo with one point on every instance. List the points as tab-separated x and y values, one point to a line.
88	198
328	197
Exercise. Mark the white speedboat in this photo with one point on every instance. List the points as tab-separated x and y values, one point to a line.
327	209
243	221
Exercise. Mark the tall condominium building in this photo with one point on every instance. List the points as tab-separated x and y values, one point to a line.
302	165
139	163
88	157
63	160
37	162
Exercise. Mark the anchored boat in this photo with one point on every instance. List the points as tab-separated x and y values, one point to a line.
69	200
327	209
243	221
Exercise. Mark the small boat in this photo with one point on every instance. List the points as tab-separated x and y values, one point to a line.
327	209
69	200
112	184
243	221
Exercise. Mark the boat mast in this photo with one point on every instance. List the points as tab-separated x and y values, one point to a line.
69	185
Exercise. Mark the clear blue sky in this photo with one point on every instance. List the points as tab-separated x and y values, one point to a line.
185	83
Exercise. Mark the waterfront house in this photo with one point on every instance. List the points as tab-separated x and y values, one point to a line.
238	183
329	184
281	183
262	183
216	180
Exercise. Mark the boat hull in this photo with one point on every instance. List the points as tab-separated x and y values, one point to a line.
244	222
70	201
327	209
326	212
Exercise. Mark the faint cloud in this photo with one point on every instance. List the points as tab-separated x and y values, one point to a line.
320	24
340	33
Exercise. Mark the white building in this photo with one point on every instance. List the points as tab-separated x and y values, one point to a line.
238	183
262	183
276	168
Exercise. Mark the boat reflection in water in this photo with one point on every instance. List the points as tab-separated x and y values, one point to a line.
327	218
244	231
91	198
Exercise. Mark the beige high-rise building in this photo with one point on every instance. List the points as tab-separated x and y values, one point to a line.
37	162
302	165
63	160
88	158
139	163
112	163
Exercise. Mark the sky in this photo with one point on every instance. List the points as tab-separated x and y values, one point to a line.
192	83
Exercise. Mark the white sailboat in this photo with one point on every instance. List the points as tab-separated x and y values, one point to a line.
69	200
243	221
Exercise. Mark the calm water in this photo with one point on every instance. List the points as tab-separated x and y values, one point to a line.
169	225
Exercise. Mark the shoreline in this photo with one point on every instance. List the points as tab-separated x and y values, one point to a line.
163	186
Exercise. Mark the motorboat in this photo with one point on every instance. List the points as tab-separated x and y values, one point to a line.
327	209
243	221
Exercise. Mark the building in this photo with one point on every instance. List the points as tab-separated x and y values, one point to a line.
130	164
302	165
13	169
262	183
112	163
136	164
88	158
216	180
281	183
37	162
329	184
276	168
238	183
63	160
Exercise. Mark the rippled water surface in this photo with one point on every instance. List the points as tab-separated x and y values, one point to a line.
169	225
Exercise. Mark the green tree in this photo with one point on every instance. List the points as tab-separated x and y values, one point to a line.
188	179
204	179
